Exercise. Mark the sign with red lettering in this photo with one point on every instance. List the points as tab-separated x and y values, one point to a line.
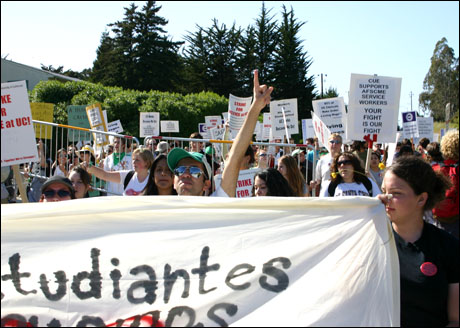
373	107
238	110
321	131
245	182
18	136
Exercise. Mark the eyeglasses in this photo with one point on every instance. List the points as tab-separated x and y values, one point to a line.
193	170
262	155
334	142
345	162
51	193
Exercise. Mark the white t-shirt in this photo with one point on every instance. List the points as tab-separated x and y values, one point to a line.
323	171
350	189
125	164
58	171
134	187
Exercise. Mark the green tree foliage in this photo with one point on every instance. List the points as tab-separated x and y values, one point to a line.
330	93
83	75
291	66
441	84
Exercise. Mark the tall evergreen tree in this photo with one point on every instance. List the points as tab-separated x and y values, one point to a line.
441	82
291	66
247	60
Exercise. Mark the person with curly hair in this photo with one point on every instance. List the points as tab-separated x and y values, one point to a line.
288	168
348	178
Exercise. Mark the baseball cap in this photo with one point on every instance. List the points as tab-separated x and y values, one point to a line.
176	154
59	179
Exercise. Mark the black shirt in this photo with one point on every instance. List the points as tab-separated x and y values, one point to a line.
427	267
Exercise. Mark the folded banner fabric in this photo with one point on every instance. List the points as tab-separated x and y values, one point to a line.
186	261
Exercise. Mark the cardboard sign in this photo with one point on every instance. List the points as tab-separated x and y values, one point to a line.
200	261
76	116
278	122
332	112
373	107
42	112
410	125
18	135
238	110
169	126
149	124
321	131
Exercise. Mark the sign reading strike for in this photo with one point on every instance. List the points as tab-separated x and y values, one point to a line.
115	126
238	110
76	116
250	263
149	124
169	126
373	107
290	110
18	136
410	126
321	131
97	122
332	112
42	112
245	182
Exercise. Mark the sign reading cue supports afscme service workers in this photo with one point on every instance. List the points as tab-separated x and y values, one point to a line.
373	107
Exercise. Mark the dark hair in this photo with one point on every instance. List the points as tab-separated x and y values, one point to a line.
358	145
421	178
196	135
358	175
434	151
151	187
424	142
277	185
85	177
405	150
250	153
294	176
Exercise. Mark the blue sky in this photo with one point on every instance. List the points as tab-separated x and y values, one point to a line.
394	39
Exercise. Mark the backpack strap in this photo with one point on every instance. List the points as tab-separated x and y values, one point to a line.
368	184
128	178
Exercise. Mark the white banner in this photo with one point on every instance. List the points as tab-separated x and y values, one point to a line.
290	110
373	107
332	112
321	131
269	261
149	124
18	136
238	110
169	126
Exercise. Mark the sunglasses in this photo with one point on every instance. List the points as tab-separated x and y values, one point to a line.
262	155
51	193
193	171
345	162
334	142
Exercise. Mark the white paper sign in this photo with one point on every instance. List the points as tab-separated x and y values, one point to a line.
225	116
149	124
425	128
290	110
410	125
267	126
244	184
321	131
169	126
373	107
97	122
203	130
18	135
332	112
308	131
238	110
217	133
200	261
212	121
115	126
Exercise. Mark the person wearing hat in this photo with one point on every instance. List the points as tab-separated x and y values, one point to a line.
162	148
192	173
56	189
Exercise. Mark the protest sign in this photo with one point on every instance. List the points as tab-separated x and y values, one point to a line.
258	131
225	117
42	112
237	262
244	184
410	126
321	131
97	122
332	112
18	136
308	131
425	128
169	126
276	111
267	126
115	126
238	110
212	121
218	133
76	116
203	130
149	124
373	107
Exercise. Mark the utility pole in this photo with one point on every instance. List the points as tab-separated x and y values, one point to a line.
411	94
322	83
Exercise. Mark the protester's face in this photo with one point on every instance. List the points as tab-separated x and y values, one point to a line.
78	185
263	158
163	176
375	160
63	157
336	145
282	169
404	205
302	156
118	146
139	164
345	167
196	146
260	187
186	184
53	191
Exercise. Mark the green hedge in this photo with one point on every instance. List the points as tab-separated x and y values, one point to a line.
125	105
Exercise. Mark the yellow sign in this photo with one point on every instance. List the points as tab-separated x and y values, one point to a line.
42	112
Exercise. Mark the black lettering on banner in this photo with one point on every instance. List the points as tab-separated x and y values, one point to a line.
178	311
16	276
54	323
115	275
95	278
201	271
231	310
149	285
270	270
62	286
90	320
169	280
232	274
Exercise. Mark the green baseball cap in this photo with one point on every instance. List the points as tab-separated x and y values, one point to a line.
176	154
